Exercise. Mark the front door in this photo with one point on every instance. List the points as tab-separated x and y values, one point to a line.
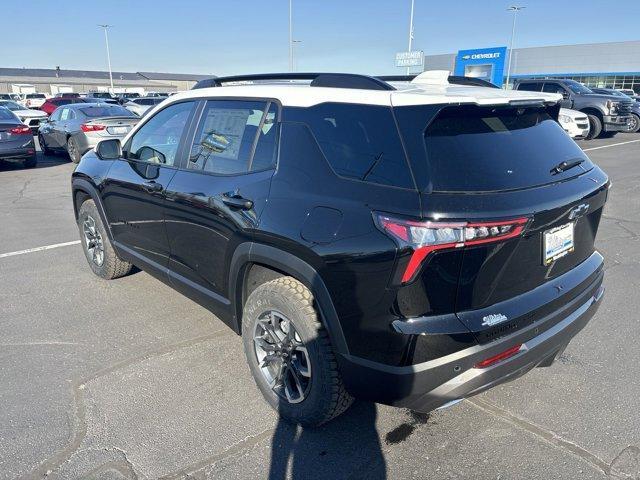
215	201
61	127
134	189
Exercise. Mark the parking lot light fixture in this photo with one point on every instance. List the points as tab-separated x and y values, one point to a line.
515	9
411	31
106	39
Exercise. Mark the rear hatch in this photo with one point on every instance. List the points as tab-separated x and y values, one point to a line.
495	165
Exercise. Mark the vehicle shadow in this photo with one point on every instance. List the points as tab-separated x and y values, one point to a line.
44	161
347	447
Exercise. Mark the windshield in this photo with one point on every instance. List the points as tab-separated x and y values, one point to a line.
35	95
476	149
100	95
577	87
11	105
106	111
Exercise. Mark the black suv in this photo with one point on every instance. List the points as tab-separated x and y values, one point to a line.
607	114
367	239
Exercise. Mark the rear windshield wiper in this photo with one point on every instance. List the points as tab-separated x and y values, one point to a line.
564	166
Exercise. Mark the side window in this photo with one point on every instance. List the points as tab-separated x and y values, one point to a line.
360	142
65	114
530	86
553	88
234	137
157	140
55	116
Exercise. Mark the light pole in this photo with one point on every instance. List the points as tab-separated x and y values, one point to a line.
293	59
515	9
106	40
291	35
410	31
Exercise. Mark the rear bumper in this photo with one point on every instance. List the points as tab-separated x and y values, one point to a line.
615	123
88	142
17	154
429	385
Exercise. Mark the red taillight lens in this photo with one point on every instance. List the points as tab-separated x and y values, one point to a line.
21	130
92	127
427	237
510	352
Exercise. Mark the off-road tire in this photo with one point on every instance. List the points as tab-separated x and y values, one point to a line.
112	266
596	127
327	397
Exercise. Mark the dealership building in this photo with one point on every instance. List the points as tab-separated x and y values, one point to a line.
613	65
56	80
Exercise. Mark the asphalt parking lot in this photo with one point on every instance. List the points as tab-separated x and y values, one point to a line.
128	379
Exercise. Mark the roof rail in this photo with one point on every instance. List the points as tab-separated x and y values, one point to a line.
332	80
453	79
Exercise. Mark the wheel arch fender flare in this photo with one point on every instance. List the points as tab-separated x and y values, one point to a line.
85	186
594	110
249	253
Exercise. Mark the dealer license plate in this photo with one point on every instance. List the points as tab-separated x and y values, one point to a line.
557	243
118	130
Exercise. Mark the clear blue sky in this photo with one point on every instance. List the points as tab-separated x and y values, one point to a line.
234	36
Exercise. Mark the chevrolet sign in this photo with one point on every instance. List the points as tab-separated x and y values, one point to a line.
477	56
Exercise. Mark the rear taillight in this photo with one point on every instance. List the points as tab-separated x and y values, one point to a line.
427	237
21	130
92	127
508	353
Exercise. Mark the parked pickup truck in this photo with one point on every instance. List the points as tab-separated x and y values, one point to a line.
607	114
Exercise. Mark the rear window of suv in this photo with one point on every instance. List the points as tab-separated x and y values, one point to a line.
476	149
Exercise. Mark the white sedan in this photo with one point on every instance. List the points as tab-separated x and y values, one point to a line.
29	117
139	106
575	123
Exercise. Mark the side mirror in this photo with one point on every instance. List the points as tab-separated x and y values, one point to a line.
565	95
109	149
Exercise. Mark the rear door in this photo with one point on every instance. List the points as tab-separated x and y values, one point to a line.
133	192
215	200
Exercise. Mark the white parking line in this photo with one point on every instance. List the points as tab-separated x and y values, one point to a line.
612	145
39	249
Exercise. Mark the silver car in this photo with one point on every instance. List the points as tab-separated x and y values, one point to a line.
77	128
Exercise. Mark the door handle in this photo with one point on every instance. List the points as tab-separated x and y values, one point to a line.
152	186
237	202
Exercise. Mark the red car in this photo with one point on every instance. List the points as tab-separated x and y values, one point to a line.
52	103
